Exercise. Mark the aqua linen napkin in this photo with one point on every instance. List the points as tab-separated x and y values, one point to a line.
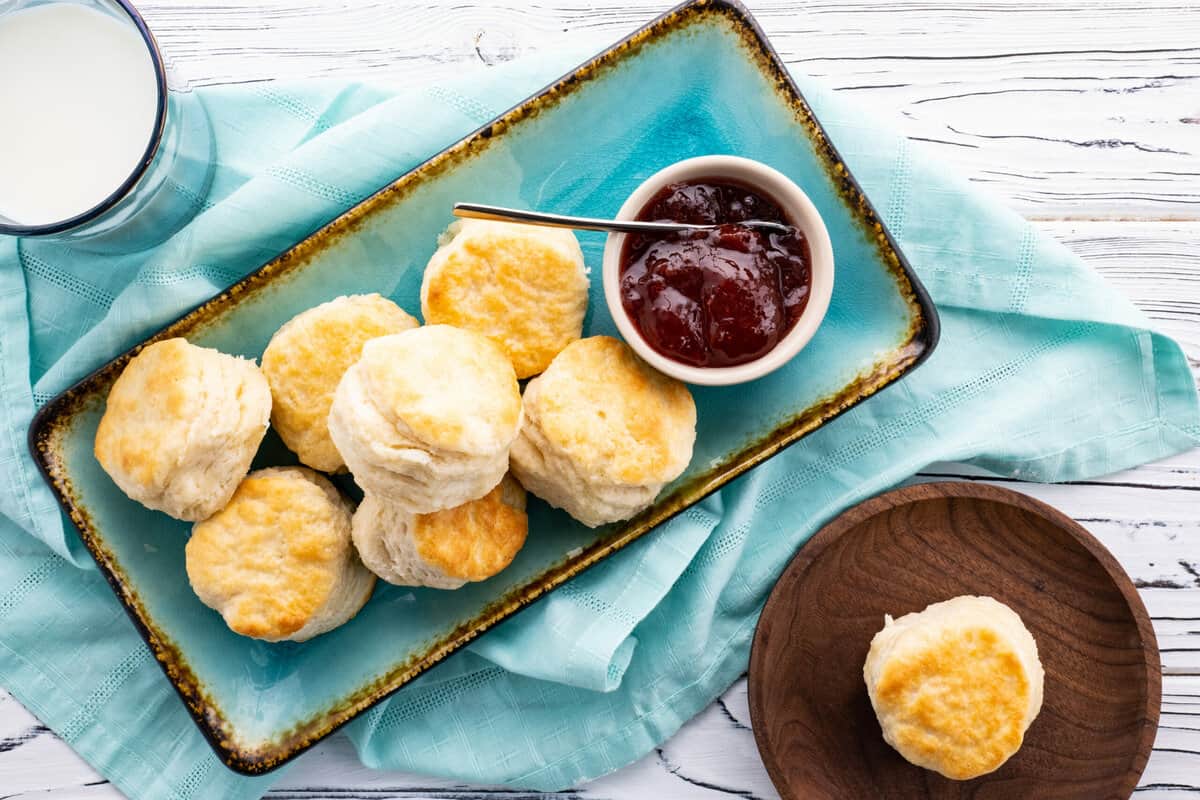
1043	372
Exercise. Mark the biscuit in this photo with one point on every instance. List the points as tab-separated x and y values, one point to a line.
181	427
278	562
307	357
603	432
955	686
425	418
524	287
447	548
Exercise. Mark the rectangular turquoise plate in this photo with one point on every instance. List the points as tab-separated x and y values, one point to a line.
706	81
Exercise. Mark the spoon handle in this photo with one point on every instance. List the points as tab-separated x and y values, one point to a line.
477	211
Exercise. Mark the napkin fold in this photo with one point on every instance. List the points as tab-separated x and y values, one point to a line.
1043	373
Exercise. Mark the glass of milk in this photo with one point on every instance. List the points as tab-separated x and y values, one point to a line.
95	149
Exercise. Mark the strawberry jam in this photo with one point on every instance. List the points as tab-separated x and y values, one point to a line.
714	298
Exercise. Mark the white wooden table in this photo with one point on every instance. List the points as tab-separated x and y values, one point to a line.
1084	116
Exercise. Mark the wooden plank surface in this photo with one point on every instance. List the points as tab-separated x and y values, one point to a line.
1084	116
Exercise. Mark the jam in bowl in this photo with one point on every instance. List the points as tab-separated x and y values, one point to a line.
715	298
724	305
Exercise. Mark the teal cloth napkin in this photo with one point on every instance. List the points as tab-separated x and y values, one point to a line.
1043	372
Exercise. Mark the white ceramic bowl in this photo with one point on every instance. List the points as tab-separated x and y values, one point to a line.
797	209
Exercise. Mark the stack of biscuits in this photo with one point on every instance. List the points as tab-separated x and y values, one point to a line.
428	419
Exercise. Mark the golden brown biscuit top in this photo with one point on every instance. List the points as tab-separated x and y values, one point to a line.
524	287
960	705
614	414
477	539
149	412
269	560
307	357
451	388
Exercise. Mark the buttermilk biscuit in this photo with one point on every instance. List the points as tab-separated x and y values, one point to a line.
523	286
181	427
603	432
278	562
308	356
445	549
955	686
426	417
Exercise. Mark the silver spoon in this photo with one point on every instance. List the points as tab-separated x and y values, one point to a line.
477	211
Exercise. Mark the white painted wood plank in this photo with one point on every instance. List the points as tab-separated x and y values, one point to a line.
1156	264
1065	108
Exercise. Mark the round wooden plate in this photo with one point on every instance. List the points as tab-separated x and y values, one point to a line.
908	548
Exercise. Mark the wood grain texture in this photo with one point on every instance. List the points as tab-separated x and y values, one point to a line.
1068	108
1084	116
906	549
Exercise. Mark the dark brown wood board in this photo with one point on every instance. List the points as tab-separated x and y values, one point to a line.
905	549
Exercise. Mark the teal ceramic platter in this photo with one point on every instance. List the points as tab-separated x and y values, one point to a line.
706	81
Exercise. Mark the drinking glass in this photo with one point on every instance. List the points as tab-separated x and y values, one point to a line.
170	183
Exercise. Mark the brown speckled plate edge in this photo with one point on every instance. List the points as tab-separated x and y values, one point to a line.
850	519
55	418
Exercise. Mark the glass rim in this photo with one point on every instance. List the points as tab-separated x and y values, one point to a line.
160	117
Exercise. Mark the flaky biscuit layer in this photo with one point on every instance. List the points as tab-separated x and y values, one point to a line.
603	432
278	562
181	426
445	549
524	287
306	359
426	418
955	686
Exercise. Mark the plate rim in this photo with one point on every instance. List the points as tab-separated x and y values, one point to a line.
970	490
58	413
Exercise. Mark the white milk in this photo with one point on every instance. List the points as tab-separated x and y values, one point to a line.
78	98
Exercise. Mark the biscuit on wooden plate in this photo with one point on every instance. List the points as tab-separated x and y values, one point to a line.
307	357
955	686
523	286
181	426
278	561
